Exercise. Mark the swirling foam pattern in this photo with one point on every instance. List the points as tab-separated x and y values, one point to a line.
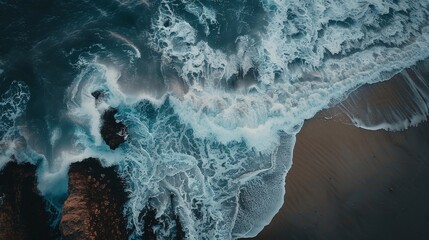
213	93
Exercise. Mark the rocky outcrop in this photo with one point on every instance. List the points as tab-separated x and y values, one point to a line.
113	132
93	209
22	209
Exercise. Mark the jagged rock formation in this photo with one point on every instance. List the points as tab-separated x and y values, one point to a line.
93	209
94	205
113	132
22	209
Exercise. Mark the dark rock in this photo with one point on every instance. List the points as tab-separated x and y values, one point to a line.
180	234
90	211
113	132
150	221
97	94
22	209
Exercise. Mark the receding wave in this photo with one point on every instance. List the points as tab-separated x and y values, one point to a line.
408	104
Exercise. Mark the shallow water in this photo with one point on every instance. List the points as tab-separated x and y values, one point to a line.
212	93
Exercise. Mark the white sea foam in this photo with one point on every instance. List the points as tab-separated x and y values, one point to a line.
303	89
310	55
12	105
216	149
205	15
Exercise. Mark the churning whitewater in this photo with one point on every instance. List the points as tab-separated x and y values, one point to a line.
212	93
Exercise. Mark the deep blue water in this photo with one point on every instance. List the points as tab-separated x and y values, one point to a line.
212	92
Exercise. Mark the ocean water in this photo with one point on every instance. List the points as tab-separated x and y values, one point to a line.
212	92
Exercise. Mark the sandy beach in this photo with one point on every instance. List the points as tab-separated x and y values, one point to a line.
350	183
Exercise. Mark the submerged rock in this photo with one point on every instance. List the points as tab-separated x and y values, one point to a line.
114	133
22	209
97	95
152	224
93	209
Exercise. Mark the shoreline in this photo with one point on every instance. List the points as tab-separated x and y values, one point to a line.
345	182
351	183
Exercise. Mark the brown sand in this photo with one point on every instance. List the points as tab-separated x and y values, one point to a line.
351	183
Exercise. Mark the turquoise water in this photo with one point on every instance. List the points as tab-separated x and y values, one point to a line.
212	94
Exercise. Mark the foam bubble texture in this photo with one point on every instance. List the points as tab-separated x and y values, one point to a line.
12	105
214	155
214	150
309	55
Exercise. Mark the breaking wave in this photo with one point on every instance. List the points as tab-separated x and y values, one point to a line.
212	94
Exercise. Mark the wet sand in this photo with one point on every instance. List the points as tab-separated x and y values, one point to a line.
351	183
